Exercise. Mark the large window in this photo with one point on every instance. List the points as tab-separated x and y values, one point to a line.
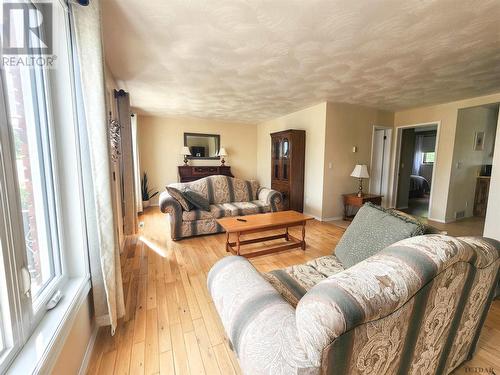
429	157
29	121
40	197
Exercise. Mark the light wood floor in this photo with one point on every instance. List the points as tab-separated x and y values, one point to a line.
171	326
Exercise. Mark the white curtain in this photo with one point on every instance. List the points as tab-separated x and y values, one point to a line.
104	256
137	170
418	158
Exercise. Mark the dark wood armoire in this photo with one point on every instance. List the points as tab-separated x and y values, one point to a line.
287	167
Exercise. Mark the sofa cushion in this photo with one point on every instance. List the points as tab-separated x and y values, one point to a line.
247	208
178	195
372	230
222	189
227	209
196	199
216	211
294	281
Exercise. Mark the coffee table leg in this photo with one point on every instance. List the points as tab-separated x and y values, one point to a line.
227	242
238	243
286	235
304	236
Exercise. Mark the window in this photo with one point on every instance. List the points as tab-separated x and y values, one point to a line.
41	205
429	157
29	122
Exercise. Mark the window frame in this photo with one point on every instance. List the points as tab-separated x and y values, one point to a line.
428	162
31	324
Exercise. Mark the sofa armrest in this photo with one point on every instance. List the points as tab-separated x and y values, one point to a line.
270	196
170	205
379	285
259	323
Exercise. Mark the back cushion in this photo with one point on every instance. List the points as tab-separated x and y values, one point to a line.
222	189
372	230
200	186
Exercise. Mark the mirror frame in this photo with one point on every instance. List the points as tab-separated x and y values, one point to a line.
217	137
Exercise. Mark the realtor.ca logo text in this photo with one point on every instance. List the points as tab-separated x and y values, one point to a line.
27	38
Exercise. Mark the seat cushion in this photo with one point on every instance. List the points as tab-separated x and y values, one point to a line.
372	230
227	209
216	211
247	208
294	281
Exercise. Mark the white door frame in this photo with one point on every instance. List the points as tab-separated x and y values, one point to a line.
397	157
387	158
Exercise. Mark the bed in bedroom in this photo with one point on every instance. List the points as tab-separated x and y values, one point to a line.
419	186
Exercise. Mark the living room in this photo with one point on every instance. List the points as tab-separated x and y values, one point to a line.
237	187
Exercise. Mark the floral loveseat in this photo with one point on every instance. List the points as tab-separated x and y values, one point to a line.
415	307
227	196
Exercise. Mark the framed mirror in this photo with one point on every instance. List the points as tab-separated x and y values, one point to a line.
202	146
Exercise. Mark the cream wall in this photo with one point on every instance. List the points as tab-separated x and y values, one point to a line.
447	115
466	161
347	125
312	120
77	342
161	139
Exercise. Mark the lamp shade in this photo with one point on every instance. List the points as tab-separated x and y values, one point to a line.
185	151
222	152
360	171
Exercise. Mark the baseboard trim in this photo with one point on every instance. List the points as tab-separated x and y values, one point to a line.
88	352
333	218
440	220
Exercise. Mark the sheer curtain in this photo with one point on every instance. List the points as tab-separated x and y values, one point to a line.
419	156
137	171
104	250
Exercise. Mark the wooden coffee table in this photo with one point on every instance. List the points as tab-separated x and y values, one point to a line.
263	222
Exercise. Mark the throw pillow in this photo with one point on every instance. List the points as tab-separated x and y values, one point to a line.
372	230
196	199
177	194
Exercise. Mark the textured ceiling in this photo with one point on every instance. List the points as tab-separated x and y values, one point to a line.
254	60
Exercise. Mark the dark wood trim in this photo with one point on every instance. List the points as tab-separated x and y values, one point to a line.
188	173
217	136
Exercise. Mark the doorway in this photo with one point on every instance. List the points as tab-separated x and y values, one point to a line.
415	157
468	194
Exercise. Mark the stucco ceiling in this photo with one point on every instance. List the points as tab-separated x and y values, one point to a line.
254	60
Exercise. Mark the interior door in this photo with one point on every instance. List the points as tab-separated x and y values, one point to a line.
405	167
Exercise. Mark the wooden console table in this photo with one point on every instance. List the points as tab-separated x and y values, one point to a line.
188	173
352	200
264	222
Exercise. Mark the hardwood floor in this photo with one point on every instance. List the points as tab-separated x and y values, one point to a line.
171	326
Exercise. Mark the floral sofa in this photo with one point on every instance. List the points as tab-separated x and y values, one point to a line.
415	307
227	196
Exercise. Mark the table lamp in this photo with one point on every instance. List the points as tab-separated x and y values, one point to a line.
186	153
360	171
222	153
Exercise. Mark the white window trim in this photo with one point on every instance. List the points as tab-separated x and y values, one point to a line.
43	339
40	353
